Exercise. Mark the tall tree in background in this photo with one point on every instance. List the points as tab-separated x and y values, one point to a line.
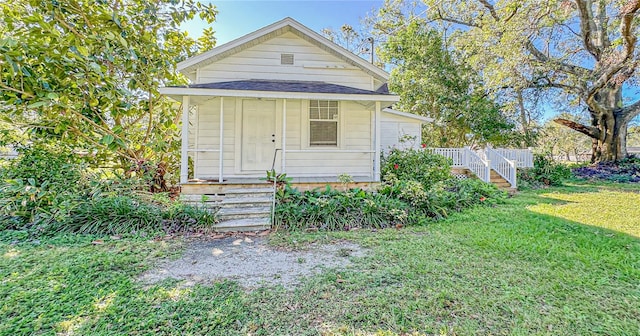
432	83
85	74
586	50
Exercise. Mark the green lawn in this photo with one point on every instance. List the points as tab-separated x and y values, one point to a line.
563	261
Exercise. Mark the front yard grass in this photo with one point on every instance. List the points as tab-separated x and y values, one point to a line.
562	261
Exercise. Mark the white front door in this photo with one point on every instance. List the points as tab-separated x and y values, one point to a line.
258	134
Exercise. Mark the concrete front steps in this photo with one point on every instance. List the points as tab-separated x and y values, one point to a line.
239	209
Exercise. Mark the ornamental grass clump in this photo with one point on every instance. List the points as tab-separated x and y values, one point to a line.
332	210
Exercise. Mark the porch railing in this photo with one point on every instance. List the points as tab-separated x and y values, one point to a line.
455	154
477	165
523	157
503	161
464	157
501	165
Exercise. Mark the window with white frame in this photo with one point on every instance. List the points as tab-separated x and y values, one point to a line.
323	123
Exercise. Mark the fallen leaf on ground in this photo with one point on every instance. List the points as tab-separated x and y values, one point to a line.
237	242
116	237
248	240
217	251
97	242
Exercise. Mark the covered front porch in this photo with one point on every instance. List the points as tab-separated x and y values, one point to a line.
232	137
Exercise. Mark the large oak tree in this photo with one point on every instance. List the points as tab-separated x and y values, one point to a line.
586	50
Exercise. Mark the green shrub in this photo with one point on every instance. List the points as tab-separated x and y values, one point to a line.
332	210
545	172
443	197
416	165
45	191
40	186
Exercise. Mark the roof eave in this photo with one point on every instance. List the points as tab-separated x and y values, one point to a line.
423	119
175	92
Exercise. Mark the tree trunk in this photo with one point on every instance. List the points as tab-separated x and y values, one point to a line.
609	119
608	130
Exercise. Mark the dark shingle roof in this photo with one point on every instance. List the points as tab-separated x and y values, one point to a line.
286	86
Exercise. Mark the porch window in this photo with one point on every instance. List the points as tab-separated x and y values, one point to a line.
323	123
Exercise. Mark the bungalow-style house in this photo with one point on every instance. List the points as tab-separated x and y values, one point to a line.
284	98
292	100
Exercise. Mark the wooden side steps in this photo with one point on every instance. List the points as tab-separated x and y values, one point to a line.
238	209
496	179
499	181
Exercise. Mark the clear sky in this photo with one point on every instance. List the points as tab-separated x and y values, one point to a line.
238	17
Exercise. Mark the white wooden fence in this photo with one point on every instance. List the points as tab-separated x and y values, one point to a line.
503	161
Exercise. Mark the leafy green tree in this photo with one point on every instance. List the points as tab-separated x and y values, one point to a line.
432	83
584	51
85	74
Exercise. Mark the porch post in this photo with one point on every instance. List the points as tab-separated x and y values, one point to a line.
221	153
376	167
284	135
184	150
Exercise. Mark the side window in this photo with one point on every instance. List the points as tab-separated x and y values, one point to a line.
323	123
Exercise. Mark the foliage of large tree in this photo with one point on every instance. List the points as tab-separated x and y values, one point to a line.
585	49
432	83
85	74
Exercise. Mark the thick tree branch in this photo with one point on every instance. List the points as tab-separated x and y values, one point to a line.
543	58
490	8
587	130
627	14
631	111
621	65
456	21
588	27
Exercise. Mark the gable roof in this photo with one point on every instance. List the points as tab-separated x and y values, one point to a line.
275	29
285	86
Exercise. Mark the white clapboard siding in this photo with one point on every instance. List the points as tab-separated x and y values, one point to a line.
262	61
355	136
354	156
328	164
208	130
394	127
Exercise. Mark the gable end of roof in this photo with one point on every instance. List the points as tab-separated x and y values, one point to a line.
275	29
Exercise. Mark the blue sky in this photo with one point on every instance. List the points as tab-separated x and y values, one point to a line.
237	17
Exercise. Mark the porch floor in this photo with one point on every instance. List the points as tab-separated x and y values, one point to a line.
294	180
209	187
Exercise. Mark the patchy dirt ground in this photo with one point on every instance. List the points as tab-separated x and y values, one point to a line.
251	262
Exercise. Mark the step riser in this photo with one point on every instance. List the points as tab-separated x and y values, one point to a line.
243	228
242	216
244	205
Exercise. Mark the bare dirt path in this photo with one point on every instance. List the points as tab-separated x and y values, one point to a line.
251	262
